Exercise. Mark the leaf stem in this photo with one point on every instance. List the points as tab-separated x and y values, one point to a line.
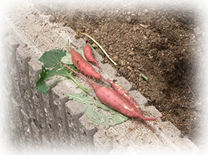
76	82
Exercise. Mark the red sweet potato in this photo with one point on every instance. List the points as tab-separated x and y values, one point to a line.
114	100
121	91
89	55
82	65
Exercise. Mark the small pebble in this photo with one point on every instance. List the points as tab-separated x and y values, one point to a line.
131	53
52	19
94	45
129	67
115	57
64	24
134	28
146	10
122	63
105	61
128	19
144	26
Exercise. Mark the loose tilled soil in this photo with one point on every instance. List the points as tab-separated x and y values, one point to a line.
163	44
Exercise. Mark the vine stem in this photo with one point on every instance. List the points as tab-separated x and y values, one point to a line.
99	47
75	81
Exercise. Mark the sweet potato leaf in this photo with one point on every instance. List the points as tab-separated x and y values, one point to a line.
40	84
67	59
95	116
58	70
52	57
47	74
83	98
42	87
52	66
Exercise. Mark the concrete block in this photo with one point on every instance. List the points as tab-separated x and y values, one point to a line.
51	119
15	121
36	133
74	111
47	120
138	97
22	59
11	43
26	126
68	34
59	93
123	83
125	133
39	113
98	57
169	129
109	72
150	111
10	64
86	131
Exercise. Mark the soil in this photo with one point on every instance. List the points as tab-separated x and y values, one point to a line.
162	44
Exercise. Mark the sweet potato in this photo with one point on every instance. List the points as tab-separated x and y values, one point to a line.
124	94
114	100
121	91
82	65
89	55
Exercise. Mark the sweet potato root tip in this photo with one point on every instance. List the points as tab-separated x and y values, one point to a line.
151	128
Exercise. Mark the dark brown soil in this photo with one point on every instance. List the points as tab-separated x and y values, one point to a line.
162	44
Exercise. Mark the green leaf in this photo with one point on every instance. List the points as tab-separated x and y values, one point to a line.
52	57
40	84
82	53
83	98
47	74
67	58
58	70
52	60
42	87
119	118
95	116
